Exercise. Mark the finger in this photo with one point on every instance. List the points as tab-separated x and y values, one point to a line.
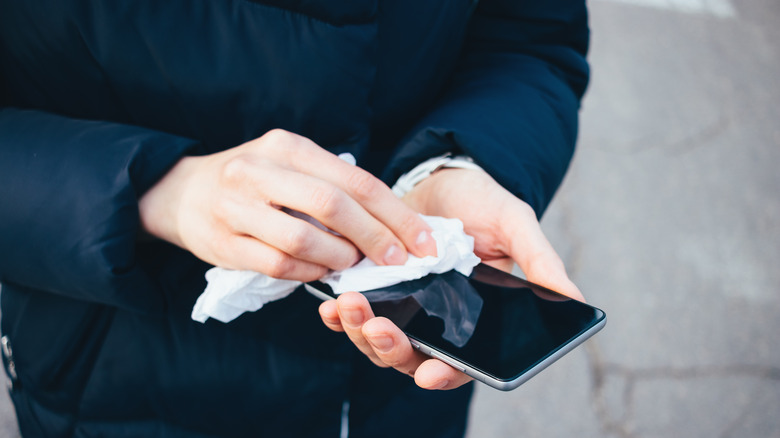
377	198
435	374
354	311
246	253
294	236
335	209
370	192
394	349
329	312
391	345
505	264
536	256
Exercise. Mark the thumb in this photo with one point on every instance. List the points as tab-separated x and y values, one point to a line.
531	250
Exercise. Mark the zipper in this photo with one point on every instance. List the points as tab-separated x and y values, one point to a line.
5	345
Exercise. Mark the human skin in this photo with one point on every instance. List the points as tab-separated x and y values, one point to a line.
226	208
505	231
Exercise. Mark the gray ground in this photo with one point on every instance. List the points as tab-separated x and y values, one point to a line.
670	221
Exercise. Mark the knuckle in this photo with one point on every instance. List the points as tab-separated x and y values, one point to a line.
325	201
395	362
278	265
314	273
281	145
362	185
277	133
409	222
296	240
286	142
379	241
236	170
348	258
278	136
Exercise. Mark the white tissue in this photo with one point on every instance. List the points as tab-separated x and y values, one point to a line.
230	293
454	249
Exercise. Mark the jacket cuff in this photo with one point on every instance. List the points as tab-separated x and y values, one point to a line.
70	212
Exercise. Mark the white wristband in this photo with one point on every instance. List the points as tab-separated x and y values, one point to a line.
423	170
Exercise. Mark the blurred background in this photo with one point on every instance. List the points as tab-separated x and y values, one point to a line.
669	220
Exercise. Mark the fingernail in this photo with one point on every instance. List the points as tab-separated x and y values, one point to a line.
425	240
353	317
395	256
382	343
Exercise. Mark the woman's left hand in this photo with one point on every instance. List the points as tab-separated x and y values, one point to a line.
505	231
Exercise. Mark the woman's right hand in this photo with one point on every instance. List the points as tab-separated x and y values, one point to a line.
226	208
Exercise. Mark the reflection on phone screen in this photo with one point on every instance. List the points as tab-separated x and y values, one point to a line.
513	326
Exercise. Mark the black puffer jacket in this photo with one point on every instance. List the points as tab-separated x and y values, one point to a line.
99	98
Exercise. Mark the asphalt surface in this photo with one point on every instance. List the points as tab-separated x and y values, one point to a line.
669	220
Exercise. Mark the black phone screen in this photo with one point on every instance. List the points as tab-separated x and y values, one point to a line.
515	326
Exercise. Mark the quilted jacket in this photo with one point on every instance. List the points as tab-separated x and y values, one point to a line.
98	99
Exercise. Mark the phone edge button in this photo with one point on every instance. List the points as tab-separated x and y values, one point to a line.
448	361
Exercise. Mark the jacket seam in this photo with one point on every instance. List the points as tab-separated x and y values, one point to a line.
309	16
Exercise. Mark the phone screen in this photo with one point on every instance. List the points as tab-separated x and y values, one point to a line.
517	326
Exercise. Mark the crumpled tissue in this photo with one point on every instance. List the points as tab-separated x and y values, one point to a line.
230	293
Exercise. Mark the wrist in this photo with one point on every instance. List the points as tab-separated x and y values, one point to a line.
159	207
433	195
422	171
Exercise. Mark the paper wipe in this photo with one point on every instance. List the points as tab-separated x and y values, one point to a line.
230	293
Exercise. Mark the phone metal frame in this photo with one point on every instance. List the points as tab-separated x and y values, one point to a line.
500	384
506	385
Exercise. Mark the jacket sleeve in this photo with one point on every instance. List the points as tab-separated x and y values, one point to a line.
68	204
512	103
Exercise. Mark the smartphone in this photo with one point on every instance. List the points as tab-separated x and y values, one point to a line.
495	327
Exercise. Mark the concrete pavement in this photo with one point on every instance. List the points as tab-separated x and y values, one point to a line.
670	221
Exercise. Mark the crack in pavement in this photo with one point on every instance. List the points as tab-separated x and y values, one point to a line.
614	386
739	420
678	145
683	373
622	425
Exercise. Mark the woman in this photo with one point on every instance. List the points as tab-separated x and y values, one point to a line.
142	142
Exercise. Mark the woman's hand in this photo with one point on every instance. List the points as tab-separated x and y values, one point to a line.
385	344
505	231
505	228
226	208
